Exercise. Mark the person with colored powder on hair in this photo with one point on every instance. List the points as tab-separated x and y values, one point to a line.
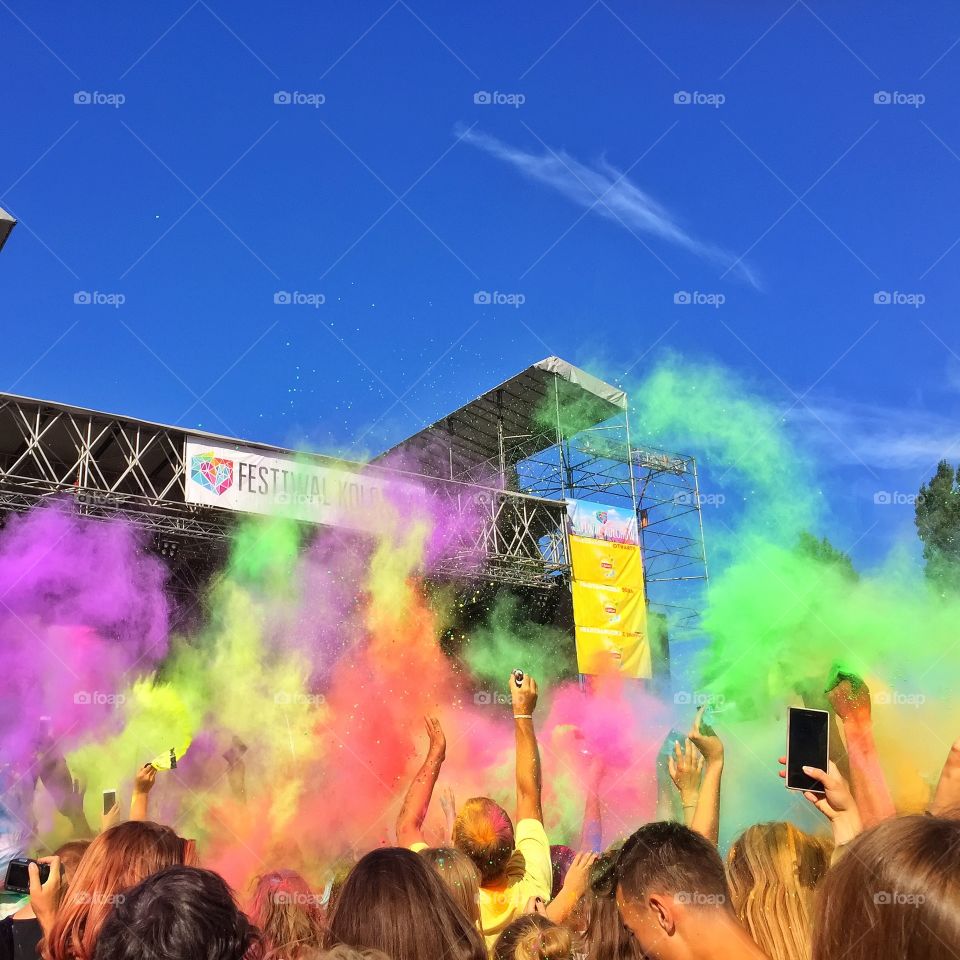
514	864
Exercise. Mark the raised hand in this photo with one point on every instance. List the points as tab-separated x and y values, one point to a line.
706	739
686	769
836	803
524	697
438	741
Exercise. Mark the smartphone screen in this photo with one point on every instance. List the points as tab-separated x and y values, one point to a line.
109	799
807	745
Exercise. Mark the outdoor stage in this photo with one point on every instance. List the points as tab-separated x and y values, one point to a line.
518	453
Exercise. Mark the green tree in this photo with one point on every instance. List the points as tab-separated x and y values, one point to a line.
937	516
826	554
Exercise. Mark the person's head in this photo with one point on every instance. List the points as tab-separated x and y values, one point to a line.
287	912
670	882
460	875
773	870
895	893
70	854
560	859
394	901
342	952
117	859
181	913
484	832
534	937
604	933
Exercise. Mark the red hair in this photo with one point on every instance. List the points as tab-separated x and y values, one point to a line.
116	860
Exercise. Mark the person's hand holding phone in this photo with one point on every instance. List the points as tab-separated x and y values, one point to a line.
45	897
111	817
836	802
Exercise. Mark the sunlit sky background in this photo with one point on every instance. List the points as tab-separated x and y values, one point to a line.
578	185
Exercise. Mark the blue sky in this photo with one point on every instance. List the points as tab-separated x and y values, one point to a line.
781	187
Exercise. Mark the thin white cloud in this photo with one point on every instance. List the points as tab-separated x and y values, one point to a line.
884	437
607	191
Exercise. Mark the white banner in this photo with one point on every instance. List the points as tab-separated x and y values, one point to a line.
248	480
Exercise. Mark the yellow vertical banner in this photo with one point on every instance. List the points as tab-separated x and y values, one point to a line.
609	607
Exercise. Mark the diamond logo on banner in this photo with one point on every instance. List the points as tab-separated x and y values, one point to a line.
212	472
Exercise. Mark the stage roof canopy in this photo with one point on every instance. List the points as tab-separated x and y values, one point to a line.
521	416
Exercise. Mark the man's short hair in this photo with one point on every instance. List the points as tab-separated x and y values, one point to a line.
670	858
181	913
484	832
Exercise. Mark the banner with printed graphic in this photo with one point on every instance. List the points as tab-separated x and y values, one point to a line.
597	561
248	480
609	608
603	651
597	521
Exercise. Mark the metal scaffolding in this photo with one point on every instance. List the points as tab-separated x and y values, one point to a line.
510	458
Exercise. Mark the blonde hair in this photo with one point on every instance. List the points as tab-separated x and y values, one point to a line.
461	876
288	914
773	870
534	937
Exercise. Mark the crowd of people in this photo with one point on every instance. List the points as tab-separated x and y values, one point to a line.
874	884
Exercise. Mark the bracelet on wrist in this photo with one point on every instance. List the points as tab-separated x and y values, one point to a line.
523	716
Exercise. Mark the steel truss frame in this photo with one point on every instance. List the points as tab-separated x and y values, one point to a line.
120	467
600	462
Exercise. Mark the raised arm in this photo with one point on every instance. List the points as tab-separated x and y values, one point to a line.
591	834
706	816
945	801
524	699
142	785
414	809
686	769
850	698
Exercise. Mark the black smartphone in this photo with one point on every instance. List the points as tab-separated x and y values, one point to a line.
18	875
109	799
808	745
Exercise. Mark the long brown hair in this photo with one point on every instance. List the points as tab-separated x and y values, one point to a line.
288	914
895	893
461	876
773	870
117	859
394	901
605	935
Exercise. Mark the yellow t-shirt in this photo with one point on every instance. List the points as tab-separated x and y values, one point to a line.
529	874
